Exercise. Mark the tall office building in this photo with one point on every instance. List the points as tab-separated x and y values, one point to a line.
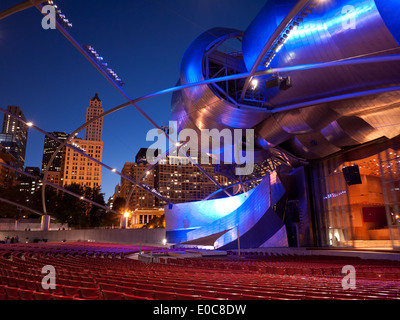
177	181
94	131
29	185
15	135
50	146
6	174
140	198
76	168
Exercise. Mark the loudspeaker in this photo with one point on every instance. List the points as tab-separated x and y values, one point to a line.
282	83
352	175
272	83
286	83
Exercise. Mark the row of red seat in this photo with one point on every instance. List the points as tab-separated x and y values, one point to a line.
92	276
369	269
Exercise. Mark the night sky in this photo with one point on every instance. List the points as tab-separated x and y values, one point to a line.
143	41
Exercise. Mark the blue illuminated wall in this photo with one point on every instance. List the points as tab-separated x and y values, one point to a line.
390	12
252	212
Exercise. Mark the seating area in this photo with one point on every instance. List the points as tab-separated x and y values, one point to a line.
92	271
287	264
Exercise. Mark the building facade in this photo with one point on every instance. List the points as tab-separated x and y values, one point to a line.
140	198
29	185
359	209
178	181
94	131
6	174
50	146
15	135
76	168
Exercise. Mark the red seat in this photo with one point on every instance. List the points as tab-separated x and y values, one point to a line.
144	293
25	294
42	296
30	285
227	295
107	287
89	293
112	295
61	297
12	282
21	283
133	297
180	296
159	295
127	290
252	297
182	290
71	291
85	284
12	293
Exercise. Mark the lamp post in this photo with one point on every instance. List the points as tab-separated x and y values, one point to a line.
124	220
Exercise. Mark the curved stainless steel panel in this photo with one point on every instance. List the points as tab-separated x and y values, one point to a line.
262	28
204	107
348	131
323	35
270	133
251	211
312	146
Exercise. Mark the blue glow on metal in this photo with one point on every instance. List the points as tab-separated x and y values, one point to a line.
202	213
390	12
99	61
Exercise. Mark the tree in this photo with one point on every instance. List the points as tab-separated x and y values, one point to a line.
10	211
119	205
65	208
156	223
98	217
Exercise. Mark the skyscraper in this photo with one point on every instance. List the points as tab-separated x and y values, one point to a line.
6	174
178	181
76	168
15	135
94	131
50	146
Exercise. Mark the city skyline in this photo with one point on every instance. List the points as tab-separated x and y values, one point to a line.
144	49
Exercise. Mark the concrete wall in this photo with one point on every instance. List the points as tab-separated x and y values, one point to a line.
128	236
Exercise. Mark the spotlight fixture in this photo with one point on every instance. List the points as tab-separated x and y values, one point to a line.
281	82
254	84
103	65
279	43
61	18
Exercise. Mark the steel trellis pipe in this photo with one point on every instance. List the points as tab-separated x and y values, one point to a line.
158	93
20	206
301	5
59	188
349	61
80	152
91	60
144	173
